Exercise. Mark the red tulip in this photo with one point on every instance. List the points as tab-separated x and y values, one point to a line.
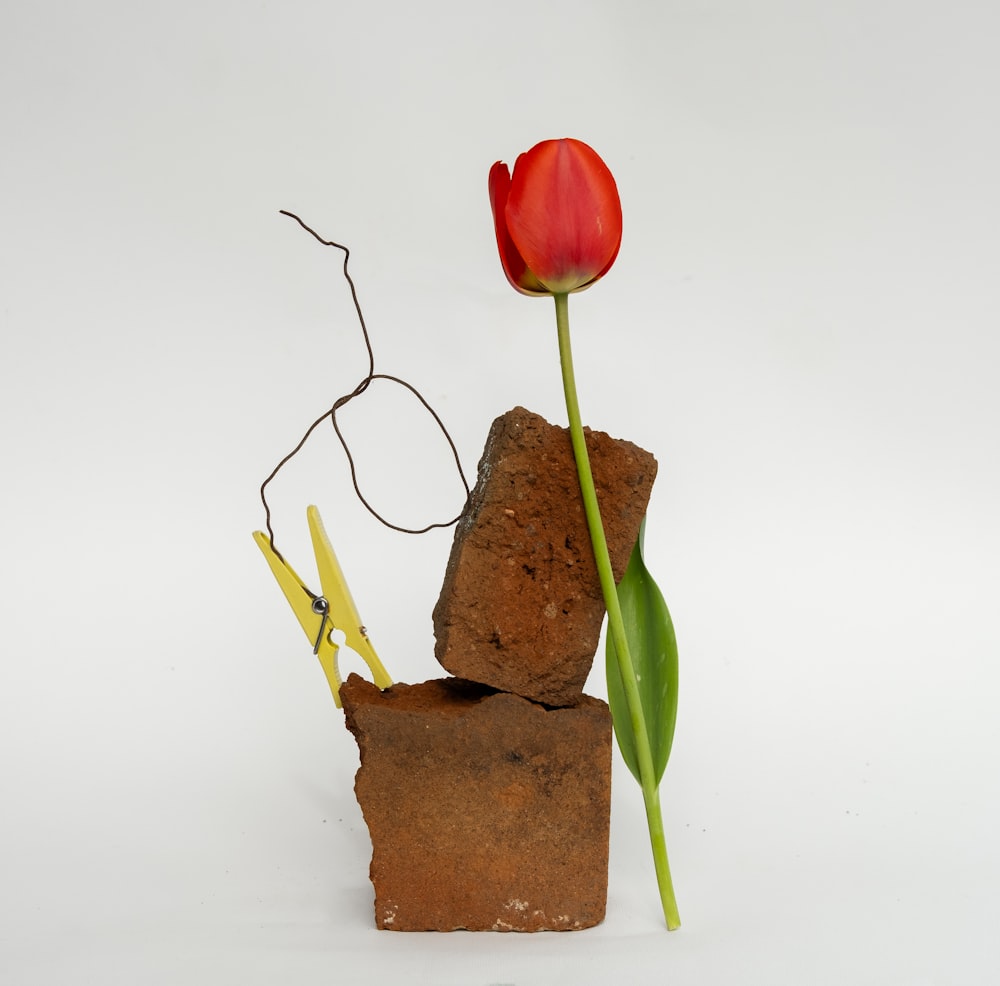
558	219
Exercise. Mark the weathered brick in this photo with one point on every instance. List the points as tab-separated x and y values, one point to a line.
521	606
486	811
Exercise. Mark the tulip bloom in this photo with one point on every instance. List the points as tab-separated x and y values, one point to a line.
558	219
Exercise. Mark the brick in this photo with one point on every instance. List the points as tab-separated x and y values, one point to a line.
521	605
486	811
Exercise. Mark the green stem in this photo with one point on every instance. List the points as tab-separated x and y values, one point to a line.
616	625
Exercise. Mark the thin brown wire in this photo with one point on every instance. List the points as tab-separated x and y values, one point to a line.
341	401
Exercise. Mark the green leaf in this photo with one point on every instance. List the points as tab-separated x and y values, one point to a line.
653	648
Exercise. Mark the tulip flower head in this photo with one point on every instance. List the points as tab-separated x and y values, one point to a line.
558	218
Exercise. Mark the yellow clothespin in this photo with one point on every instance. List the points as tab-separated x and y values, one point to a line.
334	609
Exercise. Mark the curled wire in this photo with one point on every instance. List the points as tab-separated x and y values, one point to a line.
346	398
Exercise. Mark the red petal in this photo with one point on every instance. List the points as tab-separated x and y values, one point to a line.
513	263
563	214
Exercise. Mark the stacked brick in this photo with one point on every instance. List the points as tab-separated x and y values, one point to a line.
487	794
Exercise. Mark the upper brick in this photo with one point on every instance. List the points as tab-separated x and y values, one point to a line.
521	605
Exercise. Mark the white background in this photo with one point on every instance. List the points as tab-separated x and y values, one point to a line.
802	325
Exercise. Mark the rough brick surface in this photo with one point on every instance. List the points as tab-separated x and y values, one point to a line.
521	605
486	811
